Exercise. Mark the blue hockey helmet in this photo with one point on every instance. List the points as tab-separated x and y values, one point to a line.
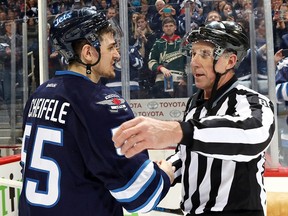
77	24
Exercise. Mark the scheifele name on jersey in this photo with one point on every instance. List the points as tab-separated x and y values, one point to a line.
49	109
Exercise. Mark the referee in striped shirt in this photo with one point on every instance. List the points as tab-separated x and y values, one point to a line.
226	130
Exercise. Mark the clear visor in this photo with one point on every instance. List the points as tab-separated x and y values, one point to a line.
186	46
118	33
92	36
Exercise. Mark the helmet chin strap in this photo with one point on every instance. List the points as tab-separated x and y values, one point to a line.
215	85
88	66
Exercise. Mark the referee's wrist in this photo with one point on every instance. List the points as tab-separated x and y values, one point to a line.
177	133
188	132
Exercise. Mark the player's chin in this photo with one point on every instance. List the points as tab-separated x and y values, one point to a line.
111	75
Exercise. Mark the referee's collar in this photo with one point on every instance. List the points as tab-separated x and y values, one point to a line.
226	86
200	94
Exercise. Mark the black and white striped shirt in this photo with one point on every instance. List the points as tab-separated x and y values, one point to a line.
220	160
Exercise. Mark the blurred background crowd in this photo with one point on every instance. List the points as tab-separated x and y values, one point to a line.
146	27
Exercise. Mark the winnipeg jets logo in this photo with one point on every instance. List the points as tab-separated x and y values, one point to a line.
115	103
62	18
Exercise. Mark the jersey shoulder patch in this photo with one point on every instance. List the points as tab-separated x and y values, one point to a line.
114	102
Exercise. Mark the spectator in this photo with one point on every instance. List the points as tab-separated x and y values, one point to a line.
11	14
87	3
144	37
115	4
3	17
4	4
213	16
103	6
50	17
32	37
280	18
176	4
228	13
155	21
55	7
247	5
277	32
32	31
168	63
145	9
219	5
237	4
34	7
111	13
260	32
275	4
6	56
281	79
244	71
132	24
78	4
96	4
134	5
196	7
196	15
67	5
167	11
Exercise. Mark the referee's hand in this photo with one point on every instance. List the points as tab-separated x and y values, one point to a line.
143	133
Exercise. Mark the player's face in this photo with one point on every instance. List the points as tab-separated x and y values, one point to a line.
109	54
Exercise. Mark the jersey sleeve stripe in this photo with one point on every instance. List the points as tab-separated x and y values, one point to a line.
152	201
142	177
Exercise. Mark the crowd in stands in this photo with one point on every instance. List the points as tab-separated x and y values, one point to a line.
145	26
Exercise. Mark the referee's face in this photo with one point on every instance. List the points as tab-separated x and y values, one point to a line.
202	65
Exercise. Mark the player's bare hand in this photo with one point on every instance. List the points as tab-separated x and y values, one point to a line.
167	168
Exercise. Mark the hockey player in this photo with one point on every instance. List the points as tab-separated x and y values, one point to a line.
70	164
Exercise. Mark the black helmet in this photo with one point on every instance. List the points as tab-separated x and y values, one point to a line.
76	24
225	35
